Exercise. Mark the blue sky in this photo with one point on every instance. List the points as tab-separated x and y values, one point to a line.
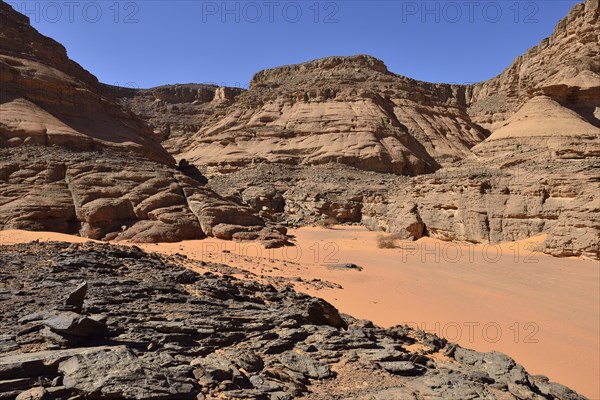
149	43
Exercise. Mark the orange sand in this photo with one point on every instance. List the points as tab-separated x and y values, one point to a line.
542	311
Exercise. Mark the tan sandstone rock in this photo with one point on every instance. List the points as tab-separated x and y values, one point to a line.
73	160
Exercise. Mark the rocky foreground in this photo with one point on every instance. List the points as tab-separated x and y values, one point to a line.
100	321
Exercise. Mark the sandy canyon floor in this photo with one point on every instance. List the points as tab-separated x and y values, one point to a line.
542	311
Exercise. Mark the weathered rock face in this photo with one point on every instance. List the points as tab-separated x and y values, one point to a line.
73	160
327	139
47	99
536	173
306	195
176	111
109	197
479	203
151	329
347	110
565	66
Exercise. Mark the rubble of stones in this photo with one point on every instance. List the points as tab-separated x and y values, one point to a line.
94	321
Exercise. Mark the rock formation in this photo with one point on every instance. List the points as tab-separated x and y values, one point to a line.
47	99
347	110
73	160
536	173
149	328
336	139
177	110
330	139
564	66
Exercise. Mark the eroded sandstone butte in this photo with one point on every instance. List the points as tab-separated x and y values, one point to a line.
347	110
73	160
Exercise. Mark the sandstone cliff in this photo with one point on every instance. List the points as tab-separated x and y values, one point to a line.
538	171
325	139
564	66
175	110
48	99
73	160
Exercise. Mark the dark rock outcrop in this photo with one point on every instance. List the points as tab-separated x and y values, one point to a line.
172	333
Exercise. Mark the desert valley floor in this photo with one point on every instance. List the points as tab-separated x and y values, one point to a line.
509	297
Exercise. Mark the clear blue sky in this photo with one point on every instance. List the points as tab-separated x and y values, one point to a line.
149	43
